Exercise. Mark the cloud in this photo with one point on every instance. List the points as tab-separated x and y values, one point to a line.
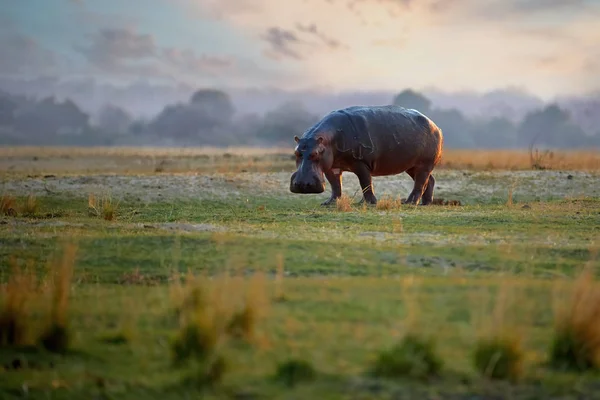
23	55
312	30
287	43
520	11
112	49
126	53
188	61
281	42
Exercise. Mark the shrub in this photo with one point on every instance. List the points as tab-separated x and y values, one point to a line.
412	357
56	337
293	372
576	342
499	357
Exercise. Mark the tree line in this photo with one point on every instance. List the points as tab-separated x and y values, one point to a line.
209	118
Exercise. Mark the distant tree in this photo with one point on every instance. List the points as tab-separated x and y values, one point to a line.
411	99
498	132
114	120
47	118
205	119
8	108
457	130
215	103
281	124
551	127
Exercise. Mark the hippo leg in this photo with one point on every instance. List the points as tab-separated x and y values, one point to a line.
428	195
421	177
335	180
366	184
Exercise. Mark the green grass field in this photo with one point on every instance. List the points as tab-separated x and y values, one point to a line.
331	288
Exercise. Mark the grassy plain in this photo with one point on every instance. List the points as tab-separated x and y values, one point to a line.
339	286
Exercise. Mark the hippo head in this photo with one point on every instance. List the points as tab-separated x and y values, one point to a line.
313	157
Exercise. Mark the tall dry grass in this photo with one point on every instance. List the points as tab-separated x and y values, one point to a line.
576	341
8	205
498	351
343	203
18	296
213	312
104	207
237	159
25	295
588	160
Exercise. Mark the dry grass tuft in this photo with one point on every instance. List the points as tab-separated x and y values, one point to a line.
576	342
104	207
387	203
25	295
279	275
56	337
18	294
210	316
498	352
30	206
7	206
343	203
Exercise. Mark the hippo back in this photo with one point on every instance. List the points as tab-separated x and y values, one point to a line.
373	130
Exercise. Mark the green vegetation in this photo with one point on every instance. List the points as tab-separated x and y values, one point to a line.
413	357
260	296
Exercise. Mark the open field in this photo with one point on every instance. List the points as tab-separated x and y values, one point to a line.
133	160
330	287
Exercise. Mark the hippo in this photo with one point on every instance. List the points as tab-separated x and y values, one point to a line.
368	141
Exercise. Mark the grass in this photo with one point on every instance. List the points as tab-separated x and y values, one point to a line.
30	206
294	372
268	295
7	205
499	357
413	357
343	203
25	296
576	342
104	207
132	160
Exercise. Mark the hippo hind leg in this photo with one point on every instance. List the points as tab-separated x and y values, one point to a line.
428	195
421	177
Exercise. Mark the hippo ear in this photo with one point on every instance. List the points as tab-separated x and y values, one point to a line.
296	138
320	140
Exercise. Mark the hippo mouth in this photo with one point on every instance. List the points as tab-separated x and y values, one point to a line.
313	184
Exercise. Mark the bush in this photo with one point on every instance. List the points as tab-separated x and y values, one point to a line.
293	372
413	357
499	357
576	342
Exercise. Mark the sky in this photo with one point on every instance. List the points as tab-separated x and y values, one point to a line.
546	47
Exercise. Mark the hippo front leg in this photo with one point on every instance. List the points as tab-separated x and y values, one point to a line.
334	177
366	184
